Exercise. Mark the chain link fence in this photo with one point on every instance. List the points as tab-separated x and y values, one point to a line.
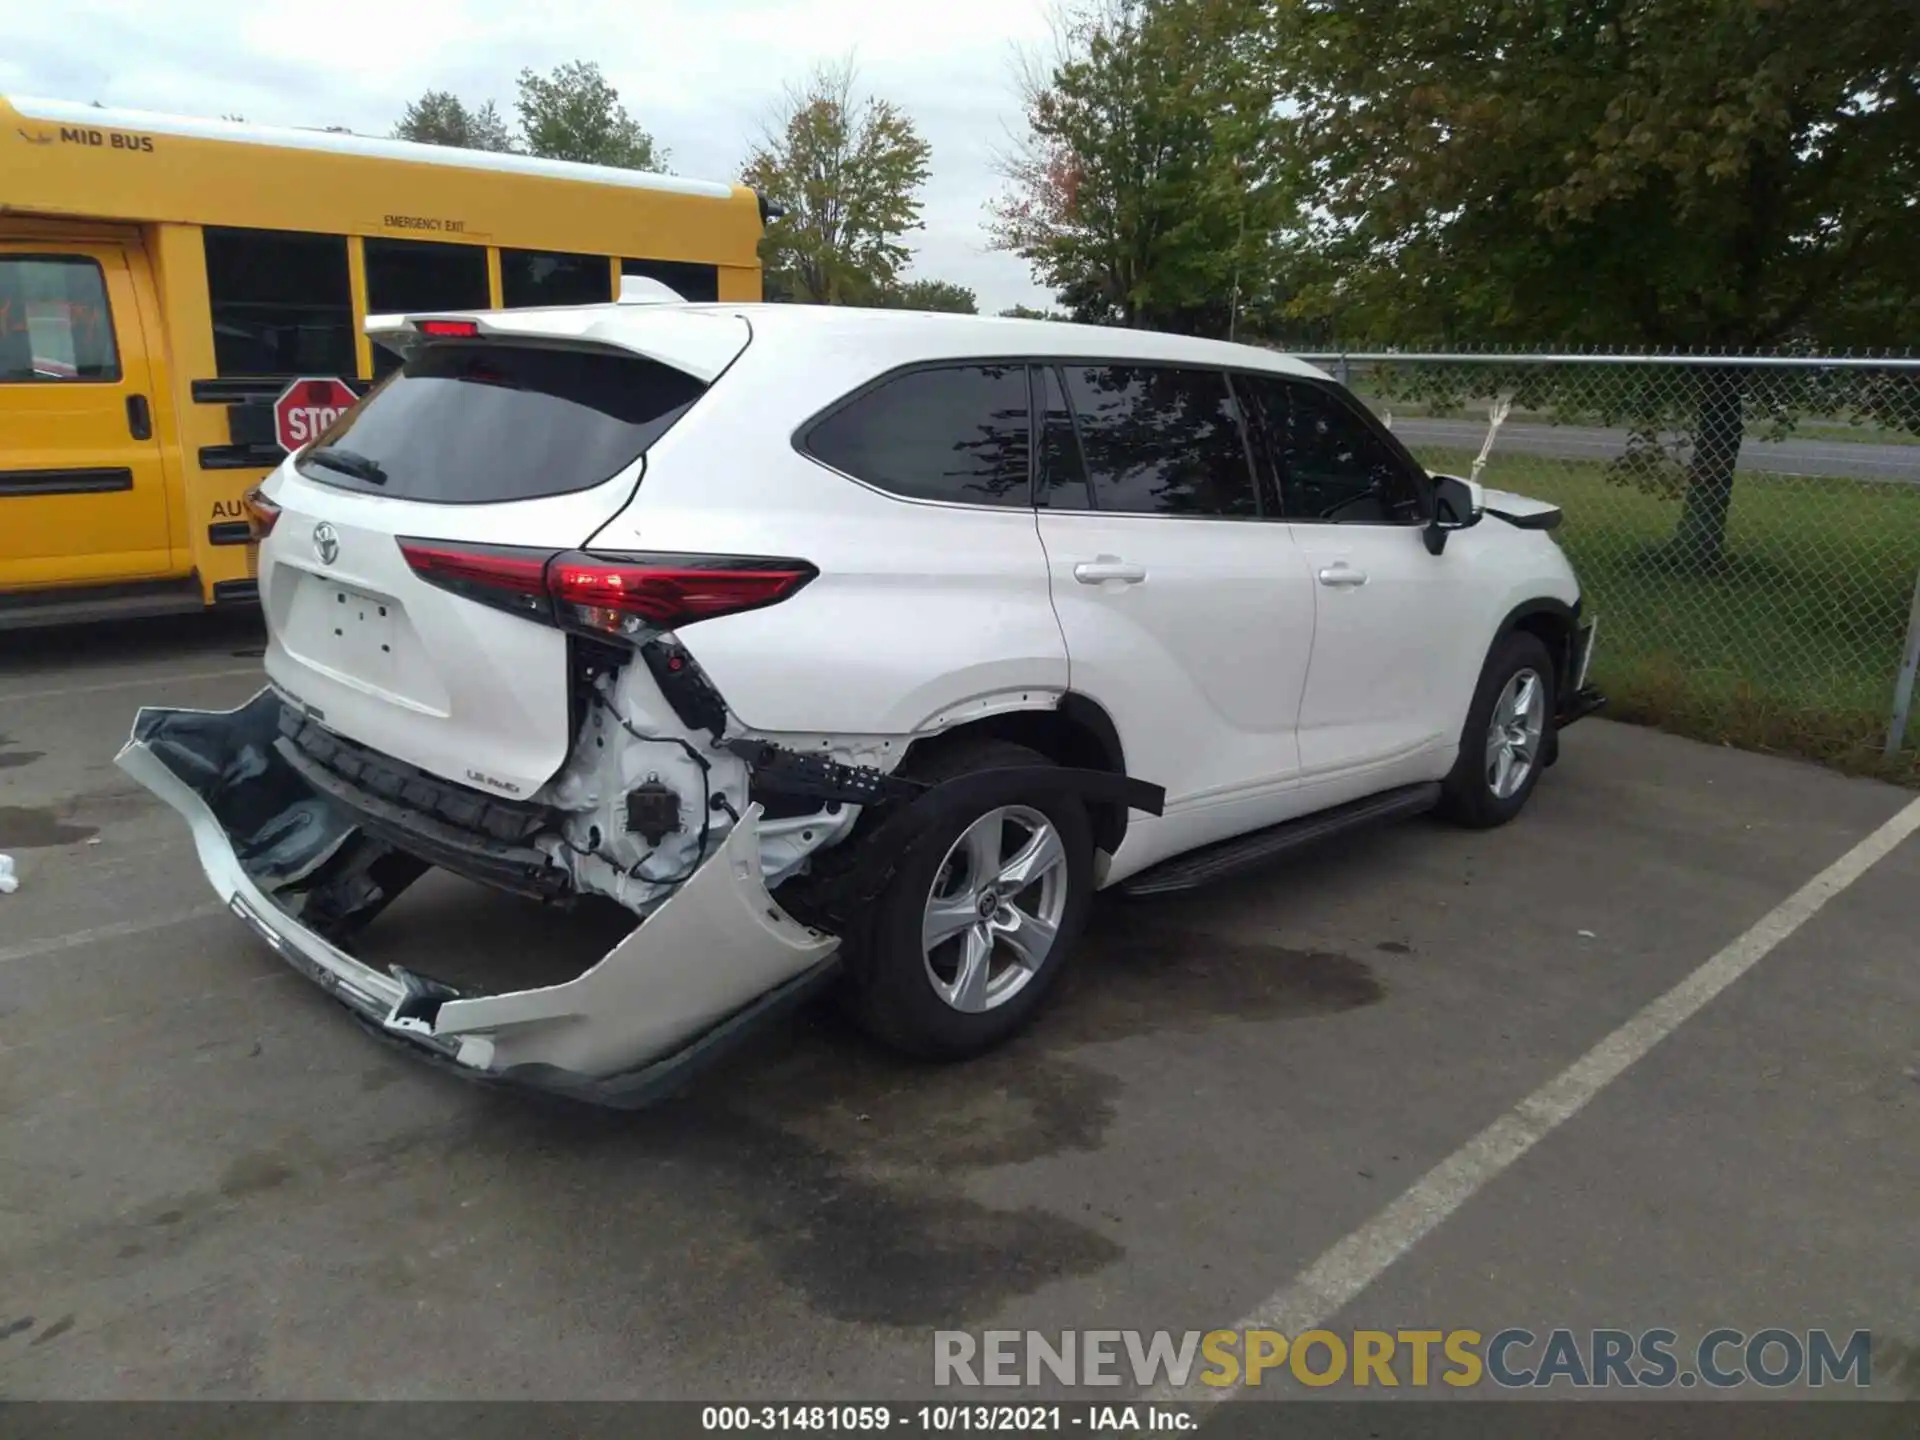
1746	528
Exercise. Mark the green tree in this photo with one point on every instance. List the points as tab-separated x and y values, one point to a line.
941	295
1027	312
1149	186
848	175
1693	174
574	114
439	118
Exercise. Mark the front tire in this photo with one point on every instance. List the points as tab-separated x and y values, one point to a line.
1508	738
978	919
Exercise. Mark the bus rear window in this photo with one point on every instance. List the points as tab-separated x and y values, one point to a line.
484	423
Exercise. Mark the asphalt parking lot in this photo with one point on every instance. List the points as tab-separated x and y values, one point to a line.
213	1184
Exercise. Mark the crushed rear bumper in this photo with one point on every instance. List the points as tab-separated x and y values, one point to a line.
696	975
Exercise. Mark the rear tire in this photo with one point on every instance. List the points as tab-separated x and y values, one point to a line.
1001	890
1509	736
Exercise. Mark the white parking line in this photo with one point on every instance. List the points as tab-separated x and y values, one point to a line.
1325	1287
155	679
34	949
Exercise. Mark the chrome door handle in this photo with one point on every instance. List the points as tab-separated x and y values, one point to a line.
1342	574
1092	572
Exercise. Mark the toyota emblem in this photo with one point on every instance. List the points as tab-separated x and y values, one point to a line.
326	543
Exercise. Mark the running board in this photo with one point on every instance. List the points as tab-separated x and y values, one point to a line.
1233	857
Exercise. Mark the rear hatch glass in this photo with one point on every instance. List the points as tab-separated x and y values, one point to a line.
464	423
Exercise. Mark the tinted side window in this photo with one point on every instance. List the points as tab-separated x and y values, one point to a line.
956	433
1331	466
689	281
538	277
1161	441
54	322
416	275
282	304
1062	478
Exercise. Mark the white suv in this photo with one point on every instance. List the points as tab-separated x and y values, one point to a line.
842	644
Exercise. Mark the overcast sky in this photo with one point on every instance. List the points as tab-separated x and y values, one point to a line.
702	75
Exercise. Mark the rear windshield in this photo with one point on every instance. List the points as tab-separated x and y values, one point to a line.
469	424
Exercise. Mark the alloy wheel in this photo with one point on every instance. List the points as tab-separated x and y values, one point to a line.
995	908
1513	734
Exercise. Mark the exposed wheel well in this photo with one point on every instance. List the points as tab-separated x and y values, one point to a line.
1078	733
1553	624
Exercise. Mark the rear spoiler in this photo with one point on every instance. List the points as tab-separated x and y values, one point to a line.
700	343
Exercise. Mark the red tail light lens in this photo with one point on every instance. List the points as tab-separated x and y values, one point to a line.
621	595
506	577
261	513
627	594
449	327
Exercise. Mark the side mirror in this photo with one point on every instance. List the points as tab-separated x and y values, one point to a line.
1457	505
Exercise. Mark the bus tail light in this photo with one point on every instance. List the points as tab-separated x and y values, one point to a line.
262	513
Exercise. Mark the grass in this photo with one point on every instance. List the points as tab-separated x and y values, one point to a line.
1791	646
1476	410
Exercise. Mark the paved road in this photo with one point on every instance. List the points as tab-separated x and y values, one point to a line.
1577	442
213	1184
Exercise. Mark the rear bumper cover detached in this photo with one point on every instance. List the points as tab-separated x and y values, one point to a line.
717	956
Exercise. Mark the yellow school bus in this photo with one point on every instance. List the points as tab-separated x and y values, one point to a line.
163	280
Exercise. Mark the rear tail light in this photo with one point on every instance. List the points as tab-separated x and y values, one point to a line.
623	595
506	577
261	513
629	594
449	327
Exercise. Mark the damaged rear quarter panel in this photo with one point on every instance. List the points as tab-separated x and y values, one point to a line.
916	651
918	607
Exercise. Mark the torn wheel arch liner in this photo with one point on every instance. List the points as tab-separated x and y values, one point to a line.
847	880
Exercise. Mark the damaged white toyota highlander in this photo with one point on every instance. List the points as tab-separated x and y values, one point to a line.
841	646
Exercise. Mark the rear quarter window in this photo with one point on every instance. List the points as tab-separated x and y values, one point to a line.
959	433
482	423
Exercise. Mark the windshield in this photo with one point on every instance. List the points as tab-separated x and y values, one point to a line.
473	423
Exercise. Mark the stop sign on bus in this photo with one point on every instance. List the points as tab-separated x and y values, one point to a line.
307	407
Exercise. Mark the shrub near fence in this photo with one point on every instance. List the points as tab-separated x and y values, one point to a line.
1747	529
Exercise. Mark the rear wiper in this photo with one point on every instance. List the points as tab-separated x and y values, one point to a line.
348	462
